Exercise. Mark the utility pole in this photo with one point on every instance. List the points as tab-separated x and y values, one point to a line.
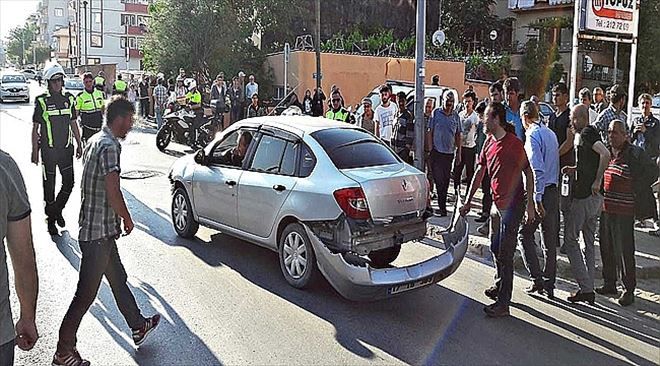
616	61
85	30
318	45
420	73
23	48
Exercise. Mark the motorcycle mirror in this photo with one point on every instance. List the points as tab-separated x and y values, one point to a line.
200	157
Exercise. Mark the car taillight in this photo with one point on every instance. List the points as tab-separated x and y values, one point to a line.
353	202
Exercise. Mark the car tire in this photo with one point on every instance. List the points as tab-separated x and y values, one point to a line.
182	216
297	258
384	257
163	138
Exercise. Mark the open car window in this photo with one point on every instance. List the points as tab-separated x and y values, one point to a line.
224	153
275	156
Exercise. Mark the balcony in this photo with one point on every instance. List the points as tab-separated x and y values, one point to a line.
133	53
136	8
518	6
135	30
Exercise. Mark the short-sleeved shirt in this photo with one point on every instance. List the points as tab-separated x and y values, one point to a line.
608	115
559	124
504	160
514	118
587	161
160	96
14	206
444	128
385	118
469	125
97	219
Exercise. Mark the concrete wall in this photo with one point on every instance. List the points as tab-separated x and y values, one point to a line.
357	75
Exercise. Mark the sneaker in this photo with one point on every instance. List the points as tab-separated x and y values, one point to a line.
140	335
60	221
537	287
627	299
589	297
70	359
496	310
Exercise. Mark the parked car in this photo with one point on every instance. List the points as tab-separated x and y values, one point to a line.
29	73
14	86
73	85
328	197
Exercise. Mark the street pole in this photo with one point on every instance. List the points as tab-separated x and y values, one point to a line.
574	52
419	84
23	48
287	51
318	45
85	29
616	60
633	66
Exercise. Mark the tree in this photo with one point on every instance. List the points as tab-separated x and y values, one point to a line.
647	74
538	63
20	45
208	36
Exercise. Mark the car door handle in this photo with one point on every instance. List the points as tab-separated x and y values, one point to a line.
279	187
230	183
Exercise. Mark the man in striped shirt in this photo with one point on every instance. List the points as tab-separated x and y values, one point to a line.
629	168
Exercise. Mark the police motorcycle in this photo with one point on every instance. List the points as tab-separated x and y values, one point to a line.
177	125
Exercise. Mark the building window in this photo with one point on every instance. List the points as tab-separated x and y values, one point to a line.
93	60
128	20
142	20
59	12
131	43
122	42
96	40
142	2
97	17
566	39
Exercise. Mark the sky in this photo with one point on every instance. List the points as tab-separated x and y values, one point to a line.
14	13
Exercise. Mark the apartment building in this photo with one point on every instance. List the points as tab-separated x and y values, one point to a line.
527	13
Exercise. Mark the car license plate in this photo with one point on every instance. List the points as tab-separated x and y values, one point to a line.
15	94
410	286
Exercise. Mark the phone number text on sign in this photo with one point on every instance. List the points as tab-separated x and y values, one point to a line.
613	25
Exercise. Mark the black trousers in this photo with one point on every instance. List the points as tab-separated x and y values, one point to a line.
54	159
617	249
144	107
7	353
88	132
441	168
99	258
549	239
467	162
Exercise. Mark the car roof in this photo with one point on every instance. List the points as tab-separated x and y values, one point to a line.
298	125
10	73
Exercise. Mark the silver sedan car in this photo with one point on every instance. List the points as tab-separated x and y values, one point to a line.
329	198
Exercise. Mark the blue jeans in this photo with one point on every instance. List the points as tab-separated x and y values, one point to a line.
159	116
504	226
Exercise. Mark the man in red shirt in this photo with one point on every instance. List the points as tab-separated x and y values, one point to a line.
503	157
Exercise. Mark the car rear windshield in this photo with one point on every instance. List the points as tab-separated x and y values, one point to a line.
350	148
13	79
73	84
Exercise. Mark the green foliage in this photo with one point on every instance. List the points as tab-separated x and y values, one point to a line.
553	22
484	67
538	64
208	36
20	46
647	74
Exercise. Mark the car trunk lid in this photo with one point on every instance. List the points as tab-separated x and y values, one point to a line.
392	190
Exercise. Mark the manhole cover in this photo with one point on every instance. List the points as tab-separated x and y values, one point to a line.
140	174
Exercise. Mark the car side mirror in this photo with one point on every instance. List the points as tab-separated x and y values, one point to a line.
200	157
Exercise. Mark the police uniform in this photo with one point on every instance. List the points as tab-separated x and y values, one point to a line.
90	106
341	115
99	83
120	86
54	113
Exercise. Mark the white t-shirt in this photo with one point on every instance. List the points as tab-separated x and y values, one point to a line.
469	128
385	117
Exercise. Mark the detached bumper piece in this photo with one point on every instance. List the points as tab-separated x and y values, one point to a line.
355	280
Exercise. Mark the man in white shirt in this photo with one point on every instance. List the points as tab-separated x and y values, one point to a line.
585	98
384	116
251	88
469	122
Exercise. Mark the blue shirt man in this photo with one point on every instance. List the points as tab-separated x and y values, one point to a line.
514	118
444	126
512	96
542	150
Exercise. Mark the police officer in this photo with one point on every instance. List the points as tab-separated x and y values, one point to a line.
337	112
119	87
99	81
194	98
54	126
90	105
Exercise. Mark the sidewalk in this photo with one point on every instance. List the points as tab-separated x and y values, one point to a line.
647	253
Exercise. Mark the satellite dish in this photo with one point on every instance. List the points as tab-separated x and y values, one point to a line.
438	38
493	35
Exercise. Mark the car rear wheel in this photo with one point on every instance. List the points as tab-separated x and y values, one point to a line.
384	257
182	217
297	258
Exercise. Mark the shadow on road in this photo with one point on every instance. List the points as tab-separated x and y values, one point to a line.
431	326
172	343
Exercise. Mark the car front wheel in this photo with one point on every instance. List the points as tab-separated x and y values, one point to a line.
297	259
182	216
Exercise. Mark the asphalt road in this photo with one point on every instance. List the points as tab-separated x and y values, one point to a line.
224	301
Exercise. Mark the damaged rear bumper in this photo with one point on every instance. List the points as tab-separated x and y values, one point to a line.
363	283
